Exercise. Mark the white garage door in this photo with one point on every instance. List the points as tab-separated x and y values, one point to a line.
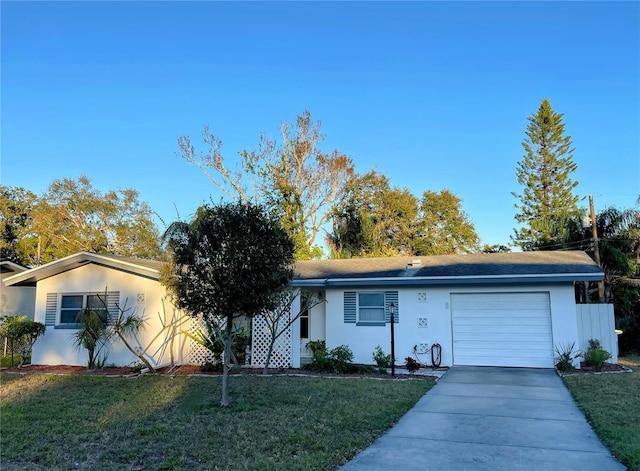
502	329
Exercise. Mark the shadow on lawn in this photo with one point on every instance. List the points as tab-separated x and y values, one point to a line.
160	422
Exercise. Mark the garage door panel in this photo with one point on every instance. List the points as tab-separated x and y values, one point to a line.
502	329
496	322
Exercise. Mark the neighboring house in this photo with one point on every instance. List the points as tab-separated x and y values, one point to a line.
65	286
15	300
503	309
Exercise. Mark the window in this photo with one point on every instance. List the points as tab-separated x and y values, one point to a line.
304	315
72	304
371	307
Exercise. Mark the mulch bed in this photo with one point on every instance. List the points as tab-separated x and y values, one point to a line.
195	370
606	368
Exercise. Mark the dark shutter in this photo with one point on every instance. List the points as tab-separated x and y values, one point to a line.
350	307
391	297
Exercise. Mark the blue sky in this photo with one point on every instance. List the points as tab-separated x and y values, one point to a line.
432	94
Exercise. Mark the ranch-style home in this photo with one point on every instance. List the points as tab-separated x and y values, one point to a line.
504	309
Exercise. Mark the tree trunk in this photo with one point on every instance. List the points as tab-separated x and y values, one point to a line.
226	358
268	360
141	357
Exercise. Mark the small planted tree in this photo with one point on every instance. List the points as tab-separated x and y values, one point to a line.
21	333
231	260
93	336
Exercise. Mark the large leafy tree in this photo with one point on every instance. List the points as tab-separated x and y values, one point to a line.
16	240
544	172
231	260
72	216
292	176
373	219
376	219
444	227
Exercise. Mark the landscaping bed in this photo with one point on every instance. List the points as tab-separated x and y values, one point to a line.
606	368
195	370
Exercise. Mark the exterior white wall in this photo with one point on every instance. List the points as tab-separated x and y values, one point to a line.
56	346
597	321
437	310
16	300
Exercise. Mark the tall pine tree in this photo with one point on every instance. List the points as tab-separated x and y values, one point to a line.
547	200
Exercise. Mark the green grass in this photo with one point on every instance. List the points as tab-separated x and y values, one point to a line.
159	422
611	403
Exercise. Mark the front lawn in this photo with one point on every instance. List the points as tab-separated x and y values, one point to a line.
611	403
160	422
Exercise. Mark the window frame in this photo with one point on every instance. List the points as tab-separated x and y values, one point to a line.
85	300
362	322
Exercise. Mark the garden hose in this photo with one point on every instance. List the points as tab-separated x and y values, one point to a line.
436	355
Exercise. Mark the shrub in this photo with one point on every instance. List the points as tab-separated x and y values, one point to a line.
336	360
210	337
411	365
341	358
565	356
595	356
21	333
316	346
383	361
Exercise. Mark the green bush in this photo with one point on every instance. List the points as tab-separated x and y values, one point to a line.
21	334
595	356
316	346
383	361
336	360
565	356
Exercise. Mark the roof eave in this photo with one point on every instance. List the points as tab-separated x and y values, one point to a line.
77	260
449	280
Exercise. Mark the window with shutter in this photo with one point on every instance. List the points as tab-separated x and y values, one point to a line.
370	307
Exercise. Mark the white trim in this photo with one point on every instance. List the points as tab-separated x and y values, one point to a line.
76	260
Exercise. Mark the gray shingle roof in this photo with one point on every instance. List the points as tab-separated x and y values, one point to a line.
479	265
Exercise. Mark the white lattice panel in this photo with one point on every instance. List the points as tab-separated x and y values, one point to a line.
423	322
422	296
198	354
260	340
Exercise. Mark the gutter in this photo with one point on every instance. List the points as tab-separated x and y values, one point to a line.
449	280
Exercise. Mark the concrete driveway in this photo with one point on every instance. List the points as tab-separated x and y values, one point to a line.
481	418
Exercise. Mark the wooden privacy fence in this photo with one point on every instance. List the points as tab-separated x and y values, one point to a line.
596	321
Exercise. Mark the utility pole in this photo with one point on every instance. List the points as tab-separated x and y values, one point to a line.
596	249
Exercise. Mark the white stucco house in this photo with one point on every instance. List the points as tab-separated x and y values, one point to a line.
65	286
504	309
15	300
